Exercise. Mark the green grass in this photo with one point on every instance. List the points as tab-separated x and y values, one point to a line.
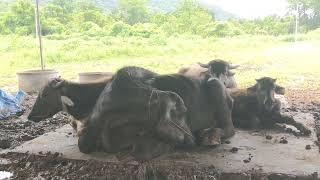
295	65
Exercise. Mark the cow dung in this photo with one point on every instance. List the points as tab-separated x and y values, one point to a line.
5	144
308	147
234	149
283	140
269	137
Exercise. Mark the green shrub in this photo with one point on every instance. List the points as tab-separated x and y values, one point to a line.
23	30
222	29
52	26
88	25
121	29
57	37
144	30
158	39
96	31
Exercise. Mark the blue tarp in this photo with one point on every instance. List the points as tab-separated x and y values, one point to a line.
9	104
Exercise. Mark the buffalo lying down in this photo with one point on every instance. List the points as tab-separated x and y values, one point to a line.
257	106
217	68
207	101
129	101
77	99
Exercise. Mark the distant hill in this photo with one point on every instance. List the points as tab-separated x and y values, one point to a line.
156	5
163	5
219	13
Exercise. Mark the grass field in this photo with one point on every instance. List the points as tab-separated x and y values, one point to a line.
295	65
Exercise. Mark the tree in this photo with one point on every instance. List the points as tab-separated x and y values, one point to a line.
20	18
132	11
192	18
309	12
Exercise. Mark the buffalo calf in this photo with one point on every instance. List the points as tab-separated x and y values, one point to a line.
257	106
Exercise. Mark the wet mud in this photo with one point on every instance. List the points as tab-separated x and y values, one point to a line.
17	129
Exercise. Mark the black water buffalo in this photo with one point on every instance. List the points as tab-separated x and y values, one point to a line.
217	68
130	100
77	99
207	100
257	106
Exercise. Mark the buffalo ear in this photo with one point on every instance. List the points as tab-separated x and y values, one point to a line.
57	82
230	73
67	101
274	80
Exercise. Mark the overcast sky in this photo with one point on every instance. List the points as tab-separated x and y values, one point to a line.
252	8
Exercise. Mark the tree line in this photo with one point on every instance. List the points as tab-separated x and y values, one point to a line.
133	18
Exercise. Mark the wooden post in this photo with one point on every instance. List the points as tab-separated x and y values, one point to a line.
36	21
297	24
38	30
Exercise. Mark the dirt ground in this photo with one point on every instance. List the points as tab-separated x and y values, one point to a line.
47	165
17	130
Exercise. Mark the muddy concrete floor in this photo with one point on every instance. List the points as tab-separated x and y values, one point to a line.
50	165
16	130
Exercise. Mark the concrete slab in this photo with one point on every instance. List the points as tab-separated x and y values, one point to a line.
267	156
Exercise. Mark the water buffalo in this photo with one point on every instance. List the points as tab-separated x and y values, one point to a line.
257	106
128	99
218	68
77	99
207	100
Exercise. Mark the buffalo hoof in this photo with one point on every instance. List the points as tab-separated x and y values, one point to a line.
87	143
210	136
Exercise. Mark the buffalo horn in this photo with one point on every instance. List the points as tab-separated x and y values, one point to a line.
233	66
203	65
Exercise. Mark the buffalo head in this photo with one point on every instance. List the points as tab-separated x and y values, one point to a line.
265	89
222	70
172	119
49	101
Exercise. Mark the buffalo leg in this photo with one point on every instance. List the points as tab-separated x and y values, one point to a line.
290	121
220	98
